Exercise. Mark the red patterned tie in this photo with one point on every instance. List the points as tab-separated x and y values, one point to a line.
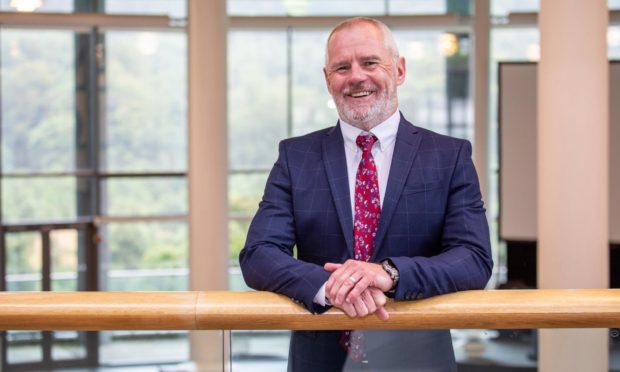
366	220
367	203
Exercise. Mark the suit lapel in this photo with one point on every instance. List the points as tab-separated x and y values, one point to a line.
405	148
335	163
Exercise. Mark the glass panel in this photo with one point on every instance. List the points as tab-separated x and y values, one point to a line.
257	94
313	108
141	256
64	244
38	100
24	261
144	347
613	42
40	198
305	7
237	232
24	346
474	349
245	191
172	8
435	94
403	7
43	6
65	268
507	44
504	7
145	196
146	102
254	350
146	256
68	345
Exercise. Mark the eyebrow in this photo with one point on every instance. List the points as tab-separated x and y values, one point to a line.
372	57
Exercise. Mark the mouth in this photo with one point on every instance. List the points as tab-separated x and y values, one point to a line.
359	94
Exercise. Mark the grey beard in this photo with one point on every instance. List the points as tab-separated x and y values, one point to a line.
380	110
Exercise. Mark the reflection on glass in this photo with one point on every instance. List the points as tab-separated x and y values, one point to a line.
38	198
146	256
312	105
143	347
171	8
511	45
68	345
146	102
474	349
435	94
64	251
145	196
24	346
237	232
257	95
613	42
24	261
256	350
505	7
403	7
245	192
305	8
43	6
38	108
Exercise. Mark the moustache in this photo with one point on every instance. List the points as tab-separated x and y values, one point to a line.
359	88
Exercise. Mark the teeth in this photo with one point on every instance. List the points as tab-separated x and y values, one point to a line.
360	94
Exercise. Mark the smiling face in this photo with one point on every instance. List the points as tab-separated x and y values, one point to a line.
362	74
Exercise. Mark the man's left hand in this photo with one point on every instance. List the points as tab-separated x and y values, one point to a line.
350	279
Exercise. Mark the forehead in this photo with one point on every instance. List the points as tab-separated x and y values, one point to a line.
363	39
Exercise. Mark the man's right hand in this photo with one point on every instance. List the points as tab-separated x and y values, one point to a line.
371	301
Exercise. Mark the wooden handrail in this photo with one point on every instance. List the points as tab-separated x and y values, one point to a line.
500	309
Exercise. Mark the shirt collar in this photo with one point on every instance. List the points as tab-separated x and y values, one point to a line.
385	132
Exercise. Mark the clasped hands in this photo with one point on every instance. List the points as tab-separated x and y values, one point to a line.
358	287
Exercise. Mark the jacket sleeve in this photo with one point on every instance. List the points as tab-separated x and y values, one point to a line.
267	261
465	260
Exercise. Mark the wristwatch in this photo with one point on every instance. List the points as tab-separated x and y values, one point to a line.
392	271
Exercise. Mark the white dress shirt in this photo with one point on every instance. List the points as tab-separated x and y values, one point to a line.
382	152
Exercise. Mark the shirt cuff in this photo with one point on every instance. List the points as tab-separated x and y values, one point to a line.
320	298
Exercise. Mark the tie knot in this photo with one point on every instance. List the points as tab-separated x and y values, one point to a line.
365	142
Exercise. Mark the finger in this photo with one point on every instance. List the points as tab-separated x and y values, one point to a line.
360	307
382	314
336	276
347	283
341	281
342	287
378	296
359	288
331	267
369	302
349	309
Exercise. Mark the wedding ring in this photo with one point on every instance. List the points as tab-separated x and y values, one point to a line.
352	279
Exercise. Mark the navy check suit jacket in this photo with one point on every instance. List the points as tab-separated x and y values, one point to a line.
433	225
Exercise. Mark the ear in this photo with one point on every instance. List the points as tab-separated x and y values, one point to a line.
401	71
327	80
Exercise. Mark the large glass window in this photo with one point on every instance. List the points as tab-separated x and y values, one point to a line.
298	8
93	160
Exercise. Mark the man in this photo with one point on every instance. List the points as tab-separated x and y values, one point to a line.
375	207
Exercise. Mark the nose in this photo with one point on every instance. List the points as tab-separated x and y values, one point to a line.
358	74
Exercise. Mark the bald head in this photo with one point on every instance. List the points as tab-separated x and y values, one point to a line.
386	34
